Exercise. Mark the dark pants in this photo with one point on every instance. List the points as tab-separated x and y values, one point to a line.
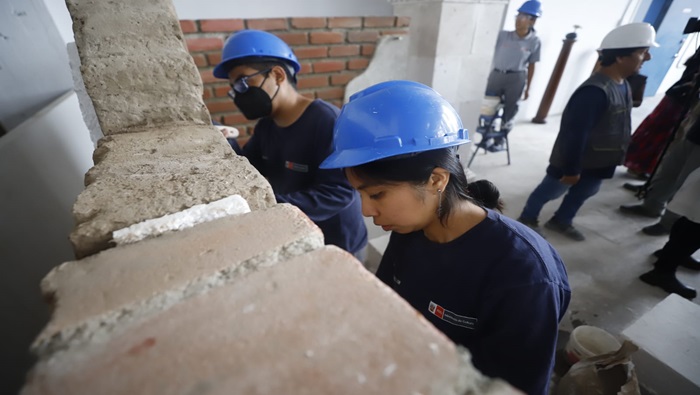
510	86
550	188
683	241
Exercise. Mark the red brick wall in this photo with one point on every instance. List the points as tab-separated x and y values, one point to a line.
331	51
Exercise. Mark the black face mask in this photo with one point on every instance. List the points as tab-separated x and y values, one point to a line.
255	103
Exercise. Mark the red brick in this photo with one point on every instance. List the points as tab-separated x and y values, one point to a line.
311	52
368	49
206	93
208	76
367	36
403	21
313	81
214	58
356	64
343	78
305	68
204	44
395	31
221	90
220	106
380	21
327	38
331	93
328	66
188	26
308	23
235	119
199	59
267	24
221	25
294	38
344	50
344	22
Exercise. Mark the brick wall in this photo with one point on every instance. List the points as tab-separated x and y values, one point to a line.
332	51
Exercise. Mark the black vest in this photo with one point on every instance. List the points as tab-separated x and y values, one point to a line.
610	136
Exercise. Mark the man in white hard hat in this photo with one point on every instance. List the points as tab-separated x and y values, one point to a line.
595	130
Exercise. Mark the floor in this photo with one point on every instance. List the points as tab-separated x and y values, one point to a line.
603	269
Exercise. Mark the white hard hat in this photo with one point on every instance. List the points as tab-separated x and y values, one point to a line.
631	35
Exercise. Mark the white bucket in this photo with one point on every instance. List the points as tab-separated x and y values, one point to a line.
489	105
588	341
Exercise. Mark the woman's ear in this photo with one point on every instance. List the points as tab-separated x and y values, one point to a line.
439	179
279	74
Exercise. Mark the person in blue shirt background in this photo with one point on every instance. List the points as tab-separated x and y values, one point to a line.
292	137
595	131
486	281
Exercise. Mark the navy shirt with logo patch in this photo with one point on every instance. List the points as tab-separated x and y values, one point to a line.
289	158
499	289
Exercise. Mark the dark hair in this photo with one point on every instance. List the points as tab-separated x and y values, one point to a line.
416	169
487	193
609	56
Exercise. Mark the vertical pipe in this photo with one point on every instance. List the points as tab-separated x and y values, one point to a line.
548	97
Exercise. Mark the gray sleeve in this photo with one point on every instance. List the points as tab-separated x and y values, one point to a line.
535	55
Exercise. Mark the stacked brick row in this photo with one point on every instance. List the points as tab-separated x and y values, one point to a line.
247	304
332	51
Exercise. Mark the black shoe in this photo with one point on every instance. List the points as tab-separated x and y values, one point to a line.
638	209
669	283
655	230
690	263
633	187
567	230
496	147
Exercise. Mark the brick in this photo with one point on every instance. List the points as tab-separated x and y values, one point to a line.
343	50
207	76
368	49
221	25
363	36
327	66
220	106
356	64
313	81
311	52
343	78
393	32
206	93
221	90
200	60
235	119
305	68
308	23
388	21
330	93
214	58
267	24
204	44
403	21
131	277
344	22
326	37
294	38
188	26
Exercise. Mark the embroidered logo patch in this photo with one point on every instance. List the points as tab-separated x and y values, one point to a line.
452	318
296	167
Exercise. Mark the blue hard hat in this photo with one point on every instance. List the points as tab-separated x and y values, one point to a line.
393	118
531	7
254	44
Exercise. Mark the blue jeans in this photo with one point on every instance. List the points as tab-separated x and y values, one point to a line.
550	188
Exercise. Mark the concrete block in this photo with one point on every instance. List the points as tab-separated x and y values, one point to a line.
95	294
668	361
317	324
189	149
112	203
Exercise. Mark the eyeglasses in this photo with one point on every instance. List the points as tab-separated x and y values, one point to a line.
241	85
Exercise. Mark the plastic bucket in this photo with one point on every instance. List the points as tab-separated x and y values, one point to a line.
588	341
489	105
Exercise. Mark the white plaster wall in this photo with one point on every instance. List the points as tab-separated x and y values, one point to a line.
223	9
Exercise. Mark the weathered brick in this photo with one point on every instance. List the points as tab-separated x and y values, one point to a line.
221	25
370	36
368	49
221	90
206	93
139	278
313	81
387	21
327	66
344	22
308	326
220	106
199	59
214	58
308	23
357	64
200	44
403	21
344	50
393	32
207	76
330	93
311	52
188	26
343	78
305	68
294	38
267	24
326	37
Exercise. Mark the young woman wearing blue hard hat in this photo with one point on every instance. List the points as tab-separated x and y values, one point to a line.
488	282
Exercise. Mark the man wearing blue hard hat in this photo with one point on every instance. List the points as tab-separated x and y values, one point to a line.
292	137
514	61
486	281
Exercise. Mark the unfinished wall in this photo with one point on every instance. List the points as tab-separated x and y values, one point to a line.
252	303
